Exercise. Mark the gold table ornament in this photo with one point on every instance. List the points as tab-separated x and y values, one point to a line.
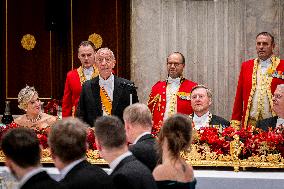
197	158
28	42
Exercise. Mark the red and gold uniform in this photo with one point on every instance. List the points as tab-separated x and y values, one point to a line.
73	86
247	86
157	101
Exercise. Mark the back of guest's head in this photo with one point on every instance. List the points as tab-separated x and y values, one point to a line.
21	145
110	132
177	131
68	139
138	113
25	95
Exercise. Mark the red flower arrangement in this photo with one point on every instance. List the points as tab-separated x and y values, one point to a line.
52	107
254	141
42	135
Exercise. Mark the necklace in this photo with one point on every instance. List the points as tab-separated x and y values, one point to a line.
35	119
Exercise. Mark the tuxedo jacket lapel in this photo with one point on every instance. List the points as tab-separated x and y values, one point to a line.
96	94
116	94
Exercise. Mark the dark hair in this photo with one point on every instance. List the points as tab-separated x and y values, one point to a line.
138	113
182	57
177	130
87	43
266	34
67	139
110	132
22	146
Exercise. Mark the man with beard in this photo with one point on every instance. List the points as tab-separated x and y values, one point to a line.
201	99
171	96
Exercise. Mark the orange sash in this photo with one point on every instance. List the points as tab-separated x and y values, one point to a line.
106	101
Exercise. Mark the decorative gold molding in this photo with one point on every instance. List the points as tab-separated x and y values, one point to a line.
96	39
28	42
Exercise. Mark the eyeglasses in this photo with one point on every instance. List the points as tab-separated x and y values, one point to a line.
107	59
174	63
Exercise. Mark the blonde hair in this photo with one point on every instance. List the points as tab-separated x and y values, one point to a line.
25	95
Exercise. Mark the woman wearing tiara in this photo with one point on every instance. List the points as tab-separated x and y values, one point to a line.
33	118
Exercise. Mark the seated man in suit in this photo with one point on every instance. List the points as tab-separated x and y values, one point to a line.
126	170
68	144
106	94
278	108
201	99
138	125
22	157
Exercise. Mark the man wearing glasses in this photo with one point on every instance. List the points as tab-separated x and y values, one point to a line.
172	95
105	94
278	107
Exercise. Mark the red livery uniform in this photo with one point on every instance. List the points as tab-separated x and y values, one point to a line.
247	86
157	101
73	86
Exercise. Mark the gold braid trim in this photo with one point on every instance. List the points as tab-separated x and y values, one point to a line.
82	75
154	102
275	62
253	88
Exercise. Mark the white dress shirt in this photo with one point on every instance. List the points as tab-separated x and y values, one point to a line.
280	121
88	72
202	121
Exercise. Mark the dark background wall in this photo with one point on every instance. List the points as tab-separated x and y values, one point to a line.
58	28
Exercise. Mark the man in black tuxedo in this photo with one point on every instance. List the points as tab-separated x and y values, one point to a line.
138	125
68	145
278	107
22	157
126	170
201	99
106	94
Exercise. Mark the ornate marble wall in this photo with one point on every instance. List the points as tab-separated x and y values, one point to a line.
215	37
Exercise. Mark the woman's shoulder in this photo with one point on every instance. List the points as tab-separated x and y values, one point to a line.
21	120
49	119
161	172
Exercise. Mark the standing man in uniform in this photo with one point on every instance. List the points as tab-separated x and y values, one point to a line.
257	82
171	96
75	78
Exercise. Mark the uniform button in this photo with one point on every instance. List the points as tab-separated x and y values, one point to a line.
164	86
164	100
163	107
162	114
164	92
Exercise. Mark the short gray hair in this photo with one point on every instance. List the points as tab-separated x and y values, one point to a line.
138	113
106	49
208	91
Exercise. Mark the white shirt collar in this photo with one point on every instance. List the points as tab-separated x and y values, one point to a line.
106	81
140	136
201	121
175	80
88	72
280	121
29	175
117	160
66	169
